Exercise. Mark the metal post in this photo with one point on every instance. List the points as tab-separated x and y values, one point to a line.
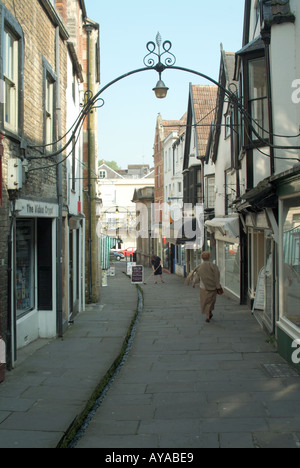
59	253
89	31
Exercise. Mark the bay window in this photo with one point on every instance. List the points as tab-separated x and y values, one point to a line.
258	98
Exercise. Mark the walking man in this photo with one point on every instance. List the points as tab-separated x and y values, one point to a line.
209	275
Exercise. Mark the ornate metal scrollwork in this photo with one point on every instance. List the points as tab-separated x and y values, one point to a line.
155	51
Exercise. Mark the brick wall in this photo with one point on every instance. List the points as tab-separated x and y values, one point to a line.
39	33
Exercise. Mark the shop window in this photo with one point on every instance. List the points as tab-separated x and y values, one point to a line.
269	279
229	263
256	255
232	268
44	263
166	254
24	266
291	261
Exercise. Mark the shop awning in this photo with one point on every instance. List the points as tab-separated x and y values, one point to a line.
106	243
226	226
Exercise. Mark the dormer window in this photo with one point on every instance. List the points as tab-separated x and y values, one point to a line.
102	174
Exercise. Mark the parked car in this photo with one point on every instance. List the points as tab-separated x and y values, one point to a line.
118	255
128	252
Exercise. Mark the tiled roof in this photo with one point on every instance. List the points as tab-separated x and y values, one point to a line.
174	126
204	101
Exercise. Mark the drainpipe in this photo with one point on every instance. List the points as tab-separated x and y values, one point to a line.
266	35
11	348
59	252
90	299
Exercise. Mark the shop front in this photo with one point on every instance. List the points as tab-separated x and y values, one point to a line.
228	259
33	294
75	273
288	325
180	261
262	269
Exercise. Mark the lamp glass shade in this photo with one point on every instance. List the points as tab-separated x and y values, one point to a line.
160	90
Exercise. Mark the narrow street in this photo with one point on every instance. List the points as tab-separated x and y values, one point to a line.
169	147
189	384
183	384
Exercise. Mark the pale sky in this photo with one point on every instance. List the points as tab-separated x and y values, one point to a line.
196	28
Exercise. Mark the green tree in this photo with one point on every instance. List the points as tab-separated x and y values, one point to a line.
112	164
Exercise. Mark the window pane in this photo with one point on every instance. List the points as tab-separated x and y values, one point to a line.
49	112
10	72
49	97
210	196
257	79
259	113
8	60
24	266
7	103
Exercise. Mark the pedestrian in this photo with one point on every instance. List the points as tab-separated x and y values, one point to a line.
209	275
157	268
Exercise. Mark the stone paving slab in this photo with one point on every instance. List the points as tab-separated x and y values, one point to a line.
54	379
185	383
197	385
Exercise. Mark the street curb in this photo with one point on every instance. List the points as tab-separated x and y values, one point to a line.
75	426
